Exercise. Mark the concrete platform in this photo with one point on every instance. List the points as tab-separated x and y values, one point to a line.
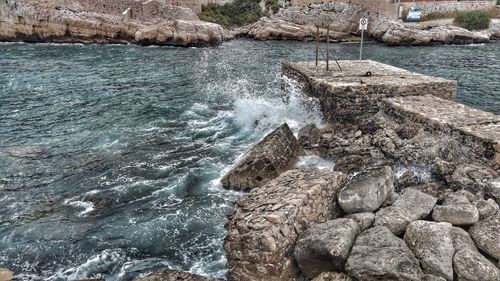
356	92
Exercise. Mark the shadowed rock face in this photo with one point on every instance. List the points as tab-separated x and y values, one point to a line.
276	153
265	223
144	22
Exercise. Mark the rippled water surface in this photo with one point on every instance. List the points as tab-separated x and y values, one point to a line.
110	155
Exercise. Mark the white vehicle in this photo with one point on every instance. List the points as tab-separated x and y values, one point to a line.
414	14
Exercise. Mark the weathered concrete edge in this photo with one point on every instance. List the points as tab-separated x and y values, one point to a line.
481	144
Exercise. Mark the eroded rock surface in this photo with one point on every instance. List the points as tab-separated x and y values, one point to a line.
332	276
378	254
411	206
325	247
276	153
366	192
486	234
173	275
457	210
265	223
472	266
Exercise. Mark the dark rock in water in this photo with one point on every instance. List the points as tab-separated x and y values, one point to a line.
457	210
266	222
364	220
325	247
309	136
472	266
332	276
486	234
378	254
276	153
366	192
173	275
412	205
432	245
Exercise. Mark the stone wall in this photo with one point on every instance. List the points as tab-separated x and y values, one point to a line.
265	223
383	7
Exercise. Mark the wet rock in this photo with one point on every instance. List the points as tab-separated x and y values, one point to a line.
404	180
457	210
378	254
432	245
332	276
461	239
276	153
412	205
265	223
325	247
364	220
486	234
309	136
6	274
173	275
472	266
367	191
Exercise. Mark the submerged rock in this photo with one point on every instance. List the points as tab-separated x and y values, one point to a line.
378	254
367	191
276	153
472	266
325	247
486	234
412	205
432	245
265	223
173	275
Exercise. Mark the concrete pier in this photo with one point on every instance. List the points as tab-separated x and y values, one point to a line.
363	88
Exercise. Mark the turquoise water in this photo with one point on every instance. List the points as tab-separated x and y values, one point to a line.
110	155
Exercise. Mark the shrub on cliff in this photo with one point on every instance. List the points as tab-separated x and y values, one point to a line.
237	13
474	20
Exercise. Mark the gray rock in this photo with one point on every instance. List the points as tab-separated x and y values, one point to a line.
332	276
461	239
486	234
432	244
412	205
486	208
266	222
276	153
378	254
472	266
364	220
367	191
325	247
173	275
457	210
430	277
493	189
309	136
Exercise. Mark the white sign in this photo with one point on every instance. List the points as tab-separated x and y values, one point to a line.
363	24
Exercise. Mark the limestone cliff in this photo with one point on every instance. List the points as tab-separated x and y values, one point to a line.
298	23
105	21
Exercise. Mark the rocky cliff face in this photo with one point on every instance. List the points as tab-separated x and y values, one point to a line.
298	22
145	23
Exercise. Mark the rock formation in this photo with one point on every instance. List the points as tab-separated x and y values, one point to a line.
100	21
265	223
276	153
173	275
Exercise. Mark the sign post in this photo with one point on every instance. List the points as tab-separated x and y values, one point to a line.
363	25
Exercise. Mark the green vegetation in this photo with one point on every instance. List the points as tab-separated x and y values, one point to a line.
474	20
237	13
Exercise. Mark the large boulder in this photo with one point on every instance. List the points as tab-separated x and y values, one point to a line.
472	266
486	234
265	223
276	153
367	191
325	247
173	275
457	210
412	205
378	254
432	244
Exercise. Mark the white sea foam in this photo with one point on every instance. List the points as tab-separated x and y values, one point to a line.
86	206
314	161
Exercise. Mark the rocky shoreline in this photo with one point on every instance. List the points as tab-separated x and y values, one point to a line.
154	22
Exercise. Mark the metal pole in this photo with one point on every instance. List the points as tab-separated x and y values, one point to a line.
317	44
327	47
361	48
